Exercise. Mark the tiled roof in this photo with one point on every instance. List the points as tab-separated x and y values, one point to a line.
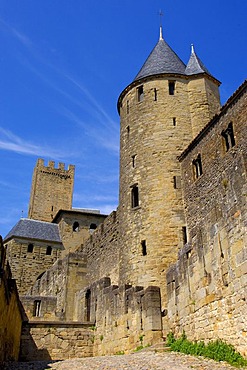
195	65
162	59
33	229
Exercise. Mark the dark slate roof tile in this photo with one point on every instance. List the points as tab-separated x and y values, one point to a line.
162	59
33	229
195	65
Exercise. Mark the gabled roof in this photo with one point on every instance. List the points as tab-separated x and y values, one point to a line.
33	229
162	59
195	65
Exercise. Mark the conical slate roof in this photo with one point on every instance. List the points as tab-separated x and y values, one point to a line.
195	65
162	59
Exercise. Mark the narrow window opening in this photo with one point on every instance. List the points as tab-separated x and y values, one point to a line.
30	248
76	227
48	250
133	160
144	247
52	208
37	308
140	94
155	94
128	107
177	182
184	233
174	121
228	136
197	166
134	196
171	85
128	131
88	304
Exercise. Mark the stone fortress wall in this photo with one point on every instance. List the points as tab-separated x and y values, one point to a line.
207	288
35	262
119	281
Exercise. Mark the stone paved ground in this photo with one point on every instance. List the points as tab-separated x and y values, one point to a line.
136	361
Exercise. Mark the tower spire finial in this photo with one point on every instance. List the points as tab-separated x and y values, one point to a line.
161	15
192	49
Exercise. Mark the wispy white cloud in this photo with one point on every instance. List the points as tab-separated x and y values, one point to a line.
108	139
107	119
21	37
11	142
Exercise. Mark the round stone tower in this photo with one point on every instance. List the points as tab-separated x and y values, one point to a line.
165	106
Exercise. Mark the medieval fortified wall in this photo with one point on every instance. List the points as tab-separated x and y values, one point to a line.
207	287
94	285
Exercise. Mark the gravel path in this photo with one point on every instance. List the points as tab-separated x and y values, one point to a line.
136	361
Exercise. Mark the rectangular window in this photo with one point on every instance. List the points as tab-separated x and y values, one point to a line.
144	247
30	248
174	121
177	182
128	107
155	94
171	85
134	196
140	93
197	166
184	233
37	308
133	160
228	137
48	250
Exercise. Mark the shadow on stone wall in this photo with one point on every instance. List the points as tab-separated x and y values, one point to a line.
29	350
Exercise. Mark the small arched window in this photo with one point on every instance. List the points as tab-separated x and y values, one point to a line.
76	226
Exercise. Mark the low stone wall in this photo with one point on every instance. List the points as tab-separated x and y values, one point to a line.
56	341
124	317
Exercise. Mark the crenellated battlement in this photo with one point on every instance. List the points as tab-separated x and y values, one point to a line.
52	165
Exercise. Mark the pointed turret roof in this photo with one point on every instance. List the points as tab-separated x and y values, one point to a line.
195	64
162	59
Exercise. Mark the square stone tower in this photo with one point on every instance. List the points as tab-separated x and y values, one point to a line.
52	190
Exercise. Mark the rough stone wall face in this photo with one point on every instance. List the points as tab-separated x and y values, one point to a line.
207	287
10	313
55	341
52	190
56	289
155	132
35	263
102	250
73	239
123	316
204	102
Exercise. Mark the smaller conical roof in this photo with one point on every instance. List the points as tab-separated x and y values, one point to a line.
195	64
162	59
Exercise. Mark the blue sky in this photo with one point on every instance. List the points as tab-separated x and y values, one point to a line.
64	64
